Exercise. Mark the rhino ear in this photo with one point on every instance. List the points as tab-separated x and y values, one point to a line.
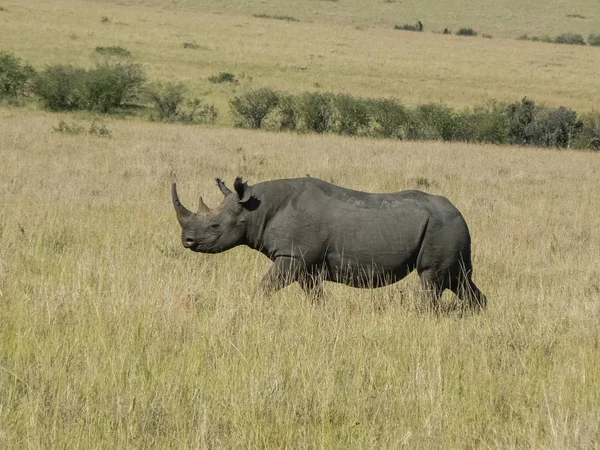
224	189
244	191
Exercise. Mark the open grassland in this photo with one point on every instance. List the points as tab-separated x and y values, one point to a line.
113	336
335	56
505	18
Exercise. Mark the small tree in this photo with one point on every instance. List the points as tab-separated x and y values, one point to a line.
389	117
251	108
315	109
560	127
167	99
111	84
521	122
352	115
62	88
15	77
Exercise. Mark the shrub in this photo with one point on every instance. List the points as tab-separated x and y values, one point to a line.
99	129
594	40
315	110
388	117
171	105
117	51
521	122
276	17
466	32
106	87
250	109
167	100
589	137
15	77
223	77
287	112
111	84
352	115
570	38
406	27
62	88
487	123
434	121
75	128
559	128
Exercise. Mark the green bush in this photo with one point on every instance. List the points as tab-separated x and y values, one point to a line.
434	121
117	51
276	17
560	128
62	88
167	100
316	112
106	87
250	109
594	40
75	128
407	27
351	115
522	129
223	77
388	117
589	137
466	32
111	85
15	78
287	108
569	38
171	105
486	124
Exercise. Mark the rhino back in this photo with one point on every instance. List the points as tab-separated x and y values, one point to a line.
316	219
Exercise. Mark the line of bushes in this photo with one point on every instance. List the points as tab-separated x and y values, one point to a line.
520	123
566	38
114	83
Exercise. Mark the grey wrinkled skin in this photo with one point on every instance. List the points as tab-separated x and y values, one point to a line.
314	231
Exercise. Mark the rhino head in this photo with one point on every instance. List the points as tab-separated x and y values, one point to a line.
219	229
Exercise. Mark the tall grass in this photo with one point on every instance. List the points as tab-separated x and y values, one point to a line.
112	335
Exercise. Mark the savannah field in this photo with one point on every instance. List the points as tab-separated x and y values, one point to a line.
112	335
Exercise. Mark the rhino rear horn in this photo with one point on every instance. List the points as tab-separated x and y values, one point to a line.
244	191
224	189
182	212
202	208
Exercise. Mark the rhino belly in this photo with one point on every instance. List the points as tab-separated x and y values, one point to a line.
364	272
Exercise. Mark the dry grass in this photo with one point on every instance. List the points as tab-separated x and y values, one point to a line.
111	335
374	61
501	18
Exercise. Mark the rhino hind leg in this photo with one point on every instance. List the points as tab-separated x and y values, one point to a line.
470	294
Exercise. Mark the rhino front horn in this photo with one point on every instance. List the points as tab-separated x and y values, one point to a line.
182	212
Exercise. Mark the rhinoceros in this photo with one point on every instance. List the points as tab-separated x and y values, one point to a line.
314	231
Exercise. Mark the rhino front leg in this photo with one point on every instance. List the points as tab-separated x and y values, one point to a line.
282	273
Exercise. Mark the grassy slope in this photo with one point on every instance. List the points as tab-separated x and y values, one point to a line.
500	18
291	56
113	335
